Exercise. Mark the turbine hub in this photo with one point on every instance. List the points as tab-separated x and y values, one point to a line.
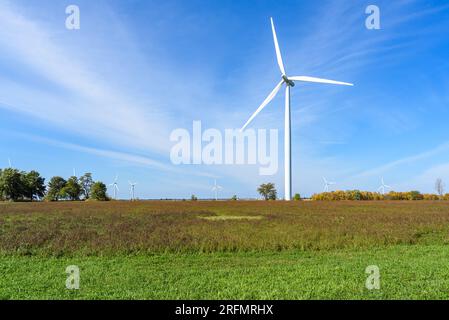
288	81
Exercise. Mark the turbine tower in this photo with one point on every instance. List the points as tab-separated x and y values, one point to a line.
327	184
115	187
216	188
9	162
383	187
289	83
132	185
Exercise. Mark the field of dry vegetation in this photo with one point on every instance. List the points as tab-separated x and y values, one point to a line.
118	227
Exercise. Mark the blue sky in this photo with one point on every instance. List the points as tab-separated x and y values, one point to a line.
104	99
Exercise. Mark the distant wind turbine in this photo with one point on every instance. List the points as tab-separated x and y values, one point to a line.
327	184
289	83
9	162
115	187
216	188
132	185
74	172
383	187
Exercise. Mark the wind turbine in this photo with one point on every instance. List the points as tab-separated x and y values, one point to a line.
9	162
115	187
327	184
383	187
133	185
74	172
289	83
216	188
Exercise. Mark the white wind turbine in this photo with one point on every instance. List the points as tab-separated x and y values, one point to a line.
9	162
132	186
289	82
216	188
383	187
115	187
327	184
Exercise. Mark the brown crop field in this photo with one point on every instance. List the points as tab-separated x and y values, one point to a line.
93	228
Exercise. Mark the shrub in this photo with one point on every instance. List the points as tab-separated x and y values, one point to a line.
357	195
431	197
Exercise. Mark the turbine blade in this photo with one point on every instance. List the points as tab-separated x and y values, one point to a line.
388	187
278	51
319	80
266	101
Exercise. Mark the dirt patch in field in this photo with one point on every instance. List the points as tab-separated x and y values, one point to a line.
219	218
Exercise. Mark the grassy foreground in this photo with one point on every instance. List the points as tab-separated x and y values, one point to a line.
407	272
225	250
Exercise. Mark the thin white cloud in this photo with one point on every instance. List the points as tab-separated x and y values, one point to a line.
88	104
411	159
127	158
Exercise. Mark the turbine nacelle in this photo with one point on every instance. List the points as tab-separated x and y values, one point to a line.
288	81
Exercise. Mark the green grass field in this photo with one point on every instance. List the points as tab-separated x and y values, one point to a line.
184	250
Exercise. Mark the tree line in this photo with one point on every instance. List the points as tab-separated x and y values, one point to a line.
357	195
16	185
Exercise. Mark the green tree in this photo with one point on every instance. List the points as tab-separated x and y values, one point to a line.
234	198
297	197
86	183
55	187
11	184
98	192
72	189
268	191
34	185
193	198
415	195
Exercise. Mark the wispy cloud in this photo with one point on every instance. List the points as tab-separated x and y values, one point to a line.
88	104
127	158
410	159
